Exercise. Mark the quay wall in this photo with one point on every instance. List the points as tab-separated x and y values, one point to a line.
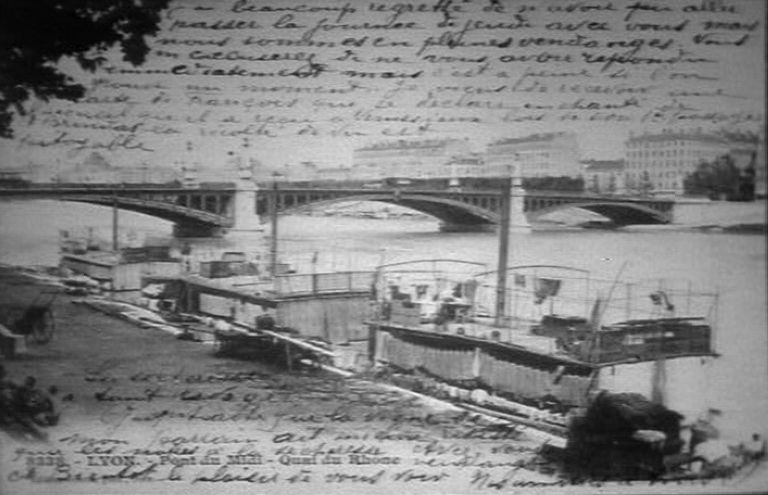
695	212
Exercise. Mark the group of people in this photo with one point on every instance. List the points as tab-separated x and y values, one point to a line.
26	407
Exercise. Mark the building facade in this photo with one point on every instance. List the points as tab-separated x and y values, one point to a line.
554	154
604	176
147	174
95	169
760	165
412	159
470	165
661	162
334	174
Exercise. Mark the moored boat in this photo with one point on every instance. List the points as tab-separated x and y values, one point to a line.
563	338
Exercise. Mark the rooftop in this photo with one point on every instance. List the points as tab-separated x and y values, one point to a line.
743	137
548	136
679	135
602	165
405	144
471	159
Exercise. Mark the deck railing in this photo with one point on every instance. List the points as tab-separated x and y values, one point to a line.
323	283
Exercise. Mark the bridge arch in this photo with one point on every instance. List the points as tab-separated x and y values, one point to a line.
620	213
187	221
445	209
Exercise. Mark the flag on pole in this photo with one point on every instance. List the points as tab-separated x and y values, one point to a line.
546	287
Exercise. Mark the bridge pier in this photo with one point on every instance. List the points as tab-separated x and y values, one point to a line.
518	221
244	208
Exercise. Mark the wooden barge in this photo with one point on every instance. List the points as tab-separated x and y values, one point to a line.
292	315
551	355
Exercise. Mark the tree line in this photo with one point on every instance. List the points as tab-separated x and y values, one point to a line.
722	179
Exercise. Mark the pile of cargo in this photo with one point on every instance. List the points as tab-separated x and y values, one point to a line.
623	436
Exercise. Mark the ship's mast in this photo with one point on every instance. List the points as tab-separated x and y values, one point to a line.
501	274
273	239
115	227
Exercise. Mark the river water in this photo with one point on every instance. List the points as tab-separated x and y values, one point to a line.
732	264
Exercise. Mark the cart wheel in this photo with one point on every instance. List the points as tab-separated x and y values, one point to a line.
14	318
42	329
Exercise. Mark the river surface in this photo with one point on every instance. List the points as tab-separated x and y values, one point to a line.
732	264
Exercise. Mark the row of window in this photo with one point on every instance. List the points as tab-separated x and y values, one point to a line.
533	154
660	163
640	175
658	186
674	152
670	143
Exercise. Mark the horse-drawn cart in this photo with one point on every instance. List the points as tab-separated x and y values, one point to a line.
34	323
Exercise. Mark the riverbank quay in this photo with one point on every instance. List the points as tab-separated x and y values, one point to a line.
147	411
689	215
141	411
715	217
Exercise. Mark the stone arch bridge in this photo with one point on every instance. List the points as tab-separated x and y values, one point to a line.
214	210
471	209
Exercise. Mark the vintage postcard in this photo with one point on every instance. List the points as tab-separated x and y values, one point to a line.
352	246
